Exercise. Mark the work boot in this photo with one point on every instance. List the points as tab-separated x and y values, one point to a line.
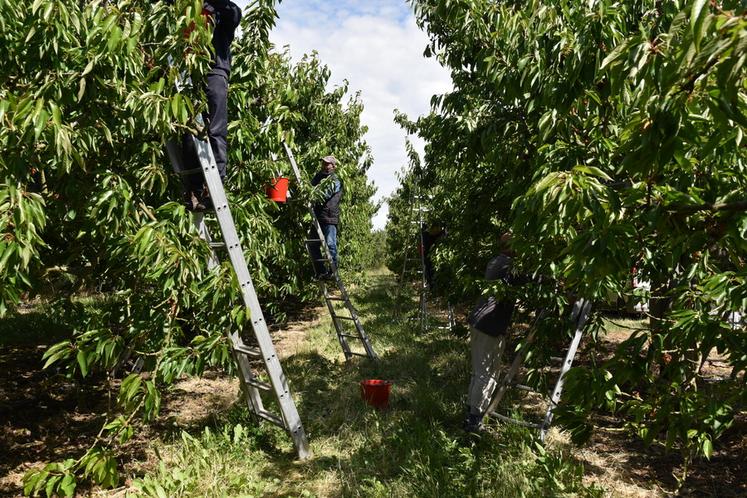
205	199
473	423
193	202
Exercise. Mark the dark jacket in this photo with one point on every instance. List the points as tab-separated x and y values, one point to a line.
328	211
227	16
491	316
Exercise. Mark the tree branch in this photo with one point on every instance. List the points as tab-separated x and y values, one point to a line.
713	207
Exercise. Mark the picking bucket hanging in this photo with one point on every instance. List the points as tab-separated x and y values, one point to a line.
277	190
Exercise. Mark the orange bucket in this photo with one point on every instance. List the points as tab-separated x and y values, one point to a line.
277	190
376	392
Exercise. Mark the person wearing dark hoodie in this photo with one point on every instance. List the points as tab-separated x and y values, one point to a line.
224	16
328	213
489	324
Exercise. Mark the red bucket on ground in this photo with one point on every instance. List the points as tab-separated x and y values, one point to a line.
376	392
277	190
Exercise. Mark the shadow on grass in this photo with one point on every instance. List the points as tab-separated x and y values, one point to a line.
43	415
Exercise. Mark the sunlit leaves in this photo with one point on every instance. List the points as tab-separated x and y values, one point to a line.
88	202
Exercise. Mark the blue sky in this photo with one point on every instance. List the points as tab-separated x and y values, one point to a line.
378	48
326	13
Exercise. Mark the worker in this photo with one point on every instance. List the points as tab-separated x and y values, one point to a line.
224	16
431	236
327	212
489	324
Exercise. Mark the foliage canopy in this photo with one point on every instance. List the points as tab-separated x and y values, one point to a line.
609	136
88	201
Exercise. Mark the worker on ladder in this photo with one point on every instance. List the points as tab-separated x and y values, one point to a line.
224	16
430	236
489	323
327	212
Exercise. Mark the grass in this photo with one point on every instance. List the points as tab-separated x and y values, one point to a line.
415	448
31	328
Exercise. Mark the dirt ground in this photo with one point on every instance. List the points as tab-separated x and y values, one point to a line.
44	416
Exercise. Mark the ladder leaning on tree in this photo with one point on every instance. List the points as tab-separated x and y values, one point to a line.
413	240
344	335
243	353
579	316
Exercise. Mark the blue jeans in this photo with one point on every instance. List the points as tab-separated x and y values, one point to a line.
330	237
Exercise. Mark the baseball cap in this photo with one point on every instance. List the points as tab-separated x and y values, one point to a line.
329	160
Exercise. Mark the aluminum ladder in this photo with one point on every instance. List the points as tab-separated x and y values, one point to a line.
424	290
341	322
579	316
243	354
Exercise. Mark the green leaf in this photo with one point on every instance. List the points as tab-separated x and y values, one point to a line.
68	484
707	447
82	358
81	88
88	68
49	489
697	16
114	36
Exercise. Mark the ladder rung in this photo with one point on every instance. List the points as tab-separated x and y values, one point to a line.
340	317
254	353
523	387
186	172
351	336
319	260
217	245
531	425
258	384
357	354
334	298
271	417
308	241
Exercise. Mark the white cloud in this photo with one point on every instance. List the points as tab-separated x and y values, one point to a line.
378	48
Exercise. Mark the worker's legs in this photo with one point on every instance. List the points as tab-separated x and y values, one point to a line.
193	183
330	236
486	359
315	250
428	271
216	118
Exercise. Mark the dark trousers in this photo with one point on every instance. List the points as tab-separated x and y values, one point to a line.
216	121
428	271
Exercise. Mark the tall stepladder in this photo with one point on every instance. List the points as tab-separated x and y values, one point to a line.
243	353
341	322
416	241
579	316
